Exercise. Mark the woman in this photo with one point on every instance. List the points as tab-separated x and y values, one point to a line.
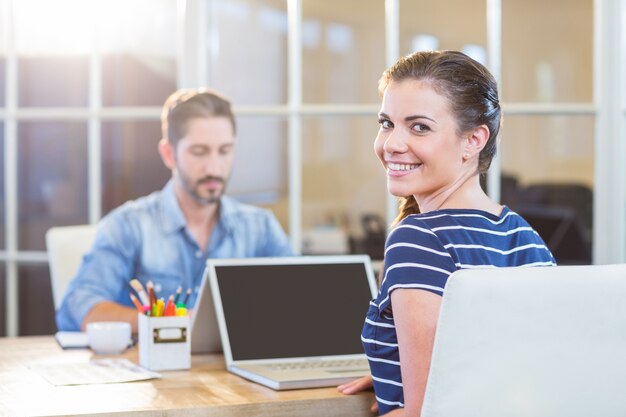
439	121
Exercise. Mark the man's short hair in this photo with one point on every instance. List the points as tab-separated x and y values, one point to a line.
187	104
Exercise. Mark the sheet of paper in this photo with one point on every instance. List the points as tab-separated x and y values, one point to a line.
97	371
68	340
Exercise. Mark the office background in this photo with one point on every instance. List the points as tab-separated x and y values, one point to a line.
82	84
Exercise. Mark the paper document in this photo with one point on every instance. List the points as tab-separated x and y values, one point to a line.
97	371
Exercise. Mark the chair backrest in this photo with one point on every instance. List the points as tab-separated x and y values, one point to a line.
66	246
530	342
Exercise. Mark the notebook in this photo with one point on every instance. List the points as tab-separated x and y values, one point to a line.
293	322
205	335
547	341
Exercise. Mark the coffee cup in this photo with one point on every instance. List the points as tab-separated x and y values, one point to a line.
109	337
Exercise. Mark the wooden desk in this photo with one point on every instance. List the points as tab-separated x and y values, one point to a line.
205	390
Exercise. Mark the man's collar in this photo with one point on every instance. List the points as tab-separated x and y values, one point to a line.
227	213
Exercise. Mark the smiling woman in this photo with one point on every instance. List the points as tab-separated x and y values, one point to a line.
418	143
439	120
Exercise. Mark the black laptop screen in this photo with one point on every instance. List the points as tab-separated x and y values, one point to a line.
282	311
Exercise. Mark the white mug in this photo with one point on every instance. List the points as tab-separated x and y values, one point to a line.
109	337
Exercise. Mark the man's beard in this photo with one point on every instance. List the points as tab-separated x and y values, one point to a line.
192	188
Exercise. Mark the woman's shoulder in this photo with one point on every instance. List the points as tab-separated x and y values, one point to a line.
446	218
410	228
414	232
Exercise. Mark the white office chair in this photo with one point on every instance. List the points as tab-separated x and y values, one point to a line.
66	246
530	342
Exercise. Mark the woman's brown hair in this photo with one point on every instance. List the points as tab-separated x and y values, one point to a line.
469	87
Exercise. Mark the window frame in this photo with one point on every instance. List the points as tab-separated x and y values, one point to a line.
194	17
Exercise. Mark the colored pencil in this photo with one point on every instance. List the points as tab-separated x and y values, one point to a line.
140	291
187	297
178	291
151	294
137	303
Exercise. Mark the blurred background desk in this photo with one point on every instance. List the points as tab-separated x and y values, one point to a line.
205	390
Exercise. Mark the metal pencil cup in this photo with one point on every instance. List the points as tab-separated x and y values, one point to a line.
164	343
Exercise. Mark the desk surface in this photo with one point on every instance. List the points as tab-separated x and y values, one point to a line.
205	390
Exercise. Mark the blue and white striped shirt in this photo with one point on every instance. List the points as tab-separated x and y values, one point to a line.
421	252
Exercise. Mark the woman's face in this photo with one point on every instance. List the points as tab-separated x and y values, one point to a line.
417	142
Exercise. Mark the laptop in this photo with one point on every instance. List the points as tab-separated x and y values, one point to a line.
293	322
548	341
205	334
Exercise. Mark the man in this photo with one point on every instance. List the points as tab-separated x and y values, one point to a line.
167	237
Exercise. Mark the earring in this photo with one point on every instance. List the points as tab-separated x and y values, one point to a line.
466	155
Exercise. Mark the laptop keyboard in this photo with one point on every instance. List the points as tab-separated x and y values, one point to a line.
356	364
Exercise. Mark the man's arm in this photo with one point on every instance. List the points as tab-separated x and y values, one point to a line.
110	311
102	277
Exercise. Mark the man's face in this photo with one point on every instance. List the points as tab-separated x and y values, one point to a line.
204	158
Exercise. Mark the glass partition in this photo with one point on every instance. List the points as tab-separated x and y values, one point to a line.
344	188
248	75
3	65
3	295
131	165
53	81
342	50
61	27
260	174
138	53
3	198
547	51
130	80
547	175
34	289
447	24
3	16
52	179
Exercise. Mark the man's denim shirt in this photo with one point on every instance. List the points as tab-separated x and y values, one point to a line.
147	239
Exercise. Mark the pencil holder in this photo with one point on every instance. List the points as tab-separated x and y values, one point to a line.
164	343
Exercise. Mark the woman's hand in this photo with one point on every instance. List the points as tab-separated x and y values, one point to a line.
358	385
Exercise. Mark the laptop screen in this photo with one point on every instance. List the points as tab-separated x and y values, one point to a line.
294	310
